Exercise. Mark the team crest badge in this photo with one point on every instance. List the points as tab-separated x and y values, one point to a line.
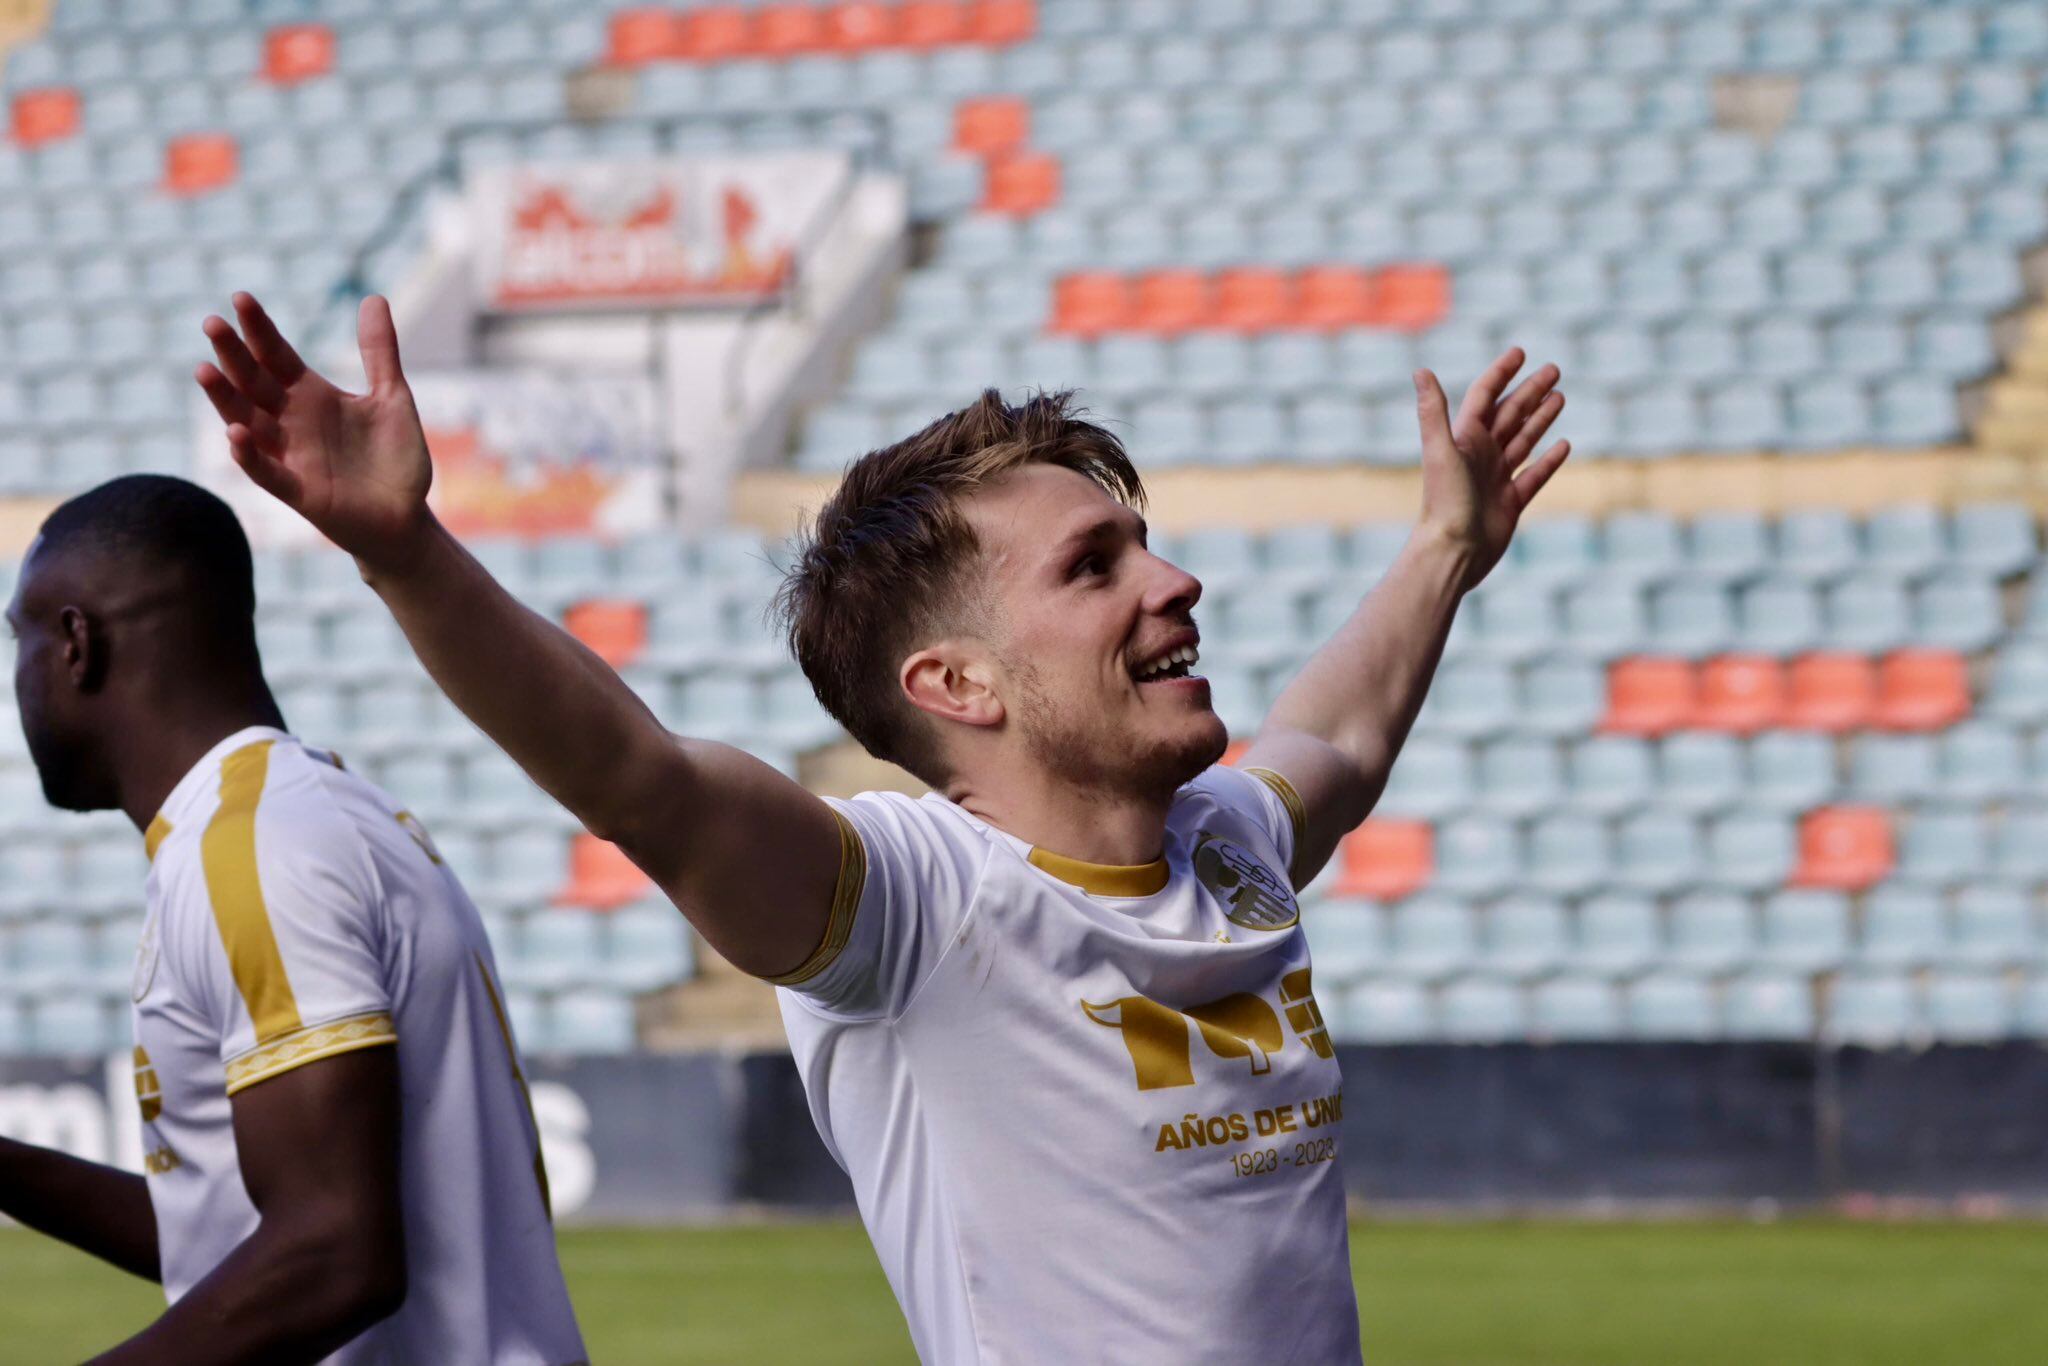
1252	895
146	955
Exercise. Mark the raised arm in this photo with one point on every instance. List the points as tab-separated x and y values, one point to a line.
1334	733
95	1208
318	1148
749	856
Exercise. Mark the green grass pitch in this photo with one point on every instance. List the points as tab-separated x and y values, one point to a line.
1539	1294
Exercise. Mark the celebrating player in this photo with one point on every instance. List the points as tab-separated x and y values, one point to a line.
1055	1018
341	1160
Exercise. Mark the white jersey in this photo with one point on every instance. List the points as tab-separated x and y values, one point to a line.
1090	1113
296	913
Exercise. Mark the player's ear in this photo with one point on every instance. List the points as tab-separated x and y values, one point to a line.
953	683
85	649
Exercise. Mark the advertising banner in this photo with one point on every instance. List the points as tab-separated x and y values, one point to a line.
698	231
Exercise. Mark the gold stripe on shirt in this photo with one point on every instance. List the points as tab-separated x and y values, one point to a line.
227	851
540	1162
1297	814
154	836
853	877
302	1046
1103	879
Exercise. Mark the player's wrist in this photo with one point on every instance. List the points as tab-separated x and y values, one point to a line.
406	553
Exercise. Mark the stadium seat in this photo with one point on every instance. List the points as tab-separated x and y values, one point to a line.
1844	847
1741	693
1957	612
1575	1008
1667	1005
1477	856
1610	774
1649	696
1831	692
1348	940
1921	689
1892	768
1385	1011
1943	846
1431	778
1995	926
1969	1007
1767	1006
1871	1008
1790	771
1525	935
1567	855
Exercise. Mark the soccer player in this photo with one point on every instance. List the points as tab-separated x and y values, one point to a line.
340	1159
1056	1018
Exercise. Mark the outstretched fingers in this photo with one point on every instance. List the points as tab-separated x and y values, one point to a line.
256	384
1532	431
1531	480
270	475
377	339
1432	409
1477	408
266	343
235	409
1514	410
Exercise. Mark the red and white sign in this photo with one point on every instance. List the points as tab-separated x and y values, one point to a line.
696	232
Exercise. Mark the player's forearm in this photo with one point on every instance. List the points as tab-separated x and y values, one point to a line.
285	1295
1361	691
95	1208
536	690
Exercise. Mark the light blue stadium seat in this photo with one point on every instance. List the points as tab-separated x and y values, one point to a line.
1957	611
1829	412
1616	933
1969	1007
1303	557
1604	618
1514	619
2019	678
1817	544
1346	939
1710	931
1610	774
1575	1008
2031	1016
1893	768
558	950
1866	345
1942	846
1993	538
591	1022
1867	613
1525	934
647	946
1385	1011
1744	415
1568	855
1481	1010
2019	848
1477	856
1669	1005
1986	277
73	1025
1767	1006
1904	927
1995	925
1916	410
1520	776
1982	759
1804	930
1555	550
1690	618
1782	346
1431	778
1778	616
1750	851
1470	698
1641	545
1430	938
1700	771
1872	1008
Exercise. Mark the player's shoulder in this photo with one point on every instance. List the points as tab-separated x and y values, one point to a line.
280	803
921	832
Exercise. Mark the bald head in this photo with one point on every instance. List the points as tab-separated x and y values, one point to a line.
136	605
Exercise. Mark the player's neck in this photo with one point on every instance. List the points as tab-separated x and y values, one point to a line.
1092	827
175	735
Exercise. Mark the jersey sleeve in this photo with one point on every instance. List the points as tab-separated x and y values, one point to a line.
1263	798
299	936
907	876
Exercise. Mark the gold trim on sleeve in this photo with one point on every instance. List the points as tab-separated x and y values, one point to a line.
153	837
296	1049
1297	814
228	853
853	877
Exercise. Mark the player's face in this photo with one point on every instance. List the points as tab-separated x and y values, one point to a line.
59	740
1097	636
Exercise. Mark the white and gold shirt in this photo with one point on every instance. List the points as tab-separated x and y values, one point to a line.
295	913
1090	1113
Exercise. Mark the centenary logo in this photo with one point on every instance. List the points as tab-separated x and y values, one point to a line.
145	963
1255	897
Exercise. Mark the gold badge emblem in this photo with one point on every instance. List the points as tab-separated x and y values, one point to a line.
1253	895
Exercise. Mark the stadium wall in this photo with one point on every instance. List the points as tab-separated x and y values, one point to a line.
653	1138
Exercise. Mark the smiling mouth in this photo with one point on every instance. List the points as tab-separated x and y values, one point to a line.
1178	663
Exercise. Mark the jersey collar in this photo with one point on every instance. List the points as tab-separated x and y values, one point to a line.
1102	879
196	781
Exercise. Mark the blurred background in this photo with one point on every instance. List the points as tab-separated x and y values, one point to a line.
1710	882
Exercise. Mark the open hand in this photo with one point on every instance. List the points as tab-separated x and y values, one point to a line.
1476	472
354	465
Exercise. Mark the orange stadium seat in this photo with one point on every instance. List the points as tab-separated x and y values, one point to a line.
199	162
1332	298
991	127
788	30
601	876
615	628
1742	693
1649	696
1234	753
1092	302
1002	21
860	25
1831	692
1412	297
45	115
1387	859
1172	301
298	52
715	33
1847	848
931	23
644	35
1253	299
1922	690
1024	184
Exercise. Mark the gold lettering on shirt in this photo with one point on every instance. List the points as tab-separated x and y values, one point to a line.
1240	1025
149	1096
